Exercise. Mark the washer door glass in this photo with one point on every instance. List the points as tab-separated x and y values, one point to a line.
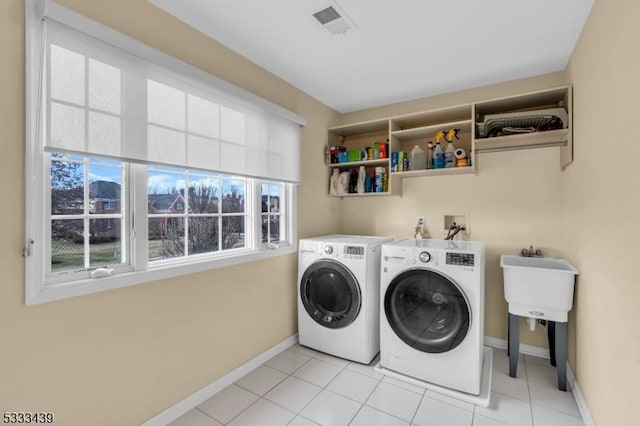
330	294
427	311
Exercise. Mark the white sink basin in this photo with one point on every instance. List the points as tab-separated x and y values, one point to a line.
538	287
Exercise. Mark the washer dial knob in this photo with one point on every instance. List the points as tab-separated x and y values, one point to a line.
328	249
425	257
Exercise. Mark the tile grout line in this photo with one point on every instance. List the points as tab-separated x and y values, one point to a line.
415	413
365	402
211	417
533	421
321	389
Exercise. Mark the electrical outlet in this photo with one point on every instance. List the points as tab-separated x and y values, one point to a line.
420	221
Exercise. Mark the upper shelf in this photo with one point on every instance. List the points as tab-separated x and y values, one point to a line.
360	128
436	117
429	131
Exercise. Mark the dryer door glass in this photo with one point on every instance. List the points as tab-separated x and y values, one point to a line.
330	294
427	311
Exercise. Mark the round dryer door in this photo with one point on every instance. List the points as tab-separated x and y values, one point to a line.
330	294
427	311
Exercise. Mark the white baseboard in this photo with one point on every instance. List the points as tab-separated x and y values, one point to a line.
544	353
577	394
197	398
524	349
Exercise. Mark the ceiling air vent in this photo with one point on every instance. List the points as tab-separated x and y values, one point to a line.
334	21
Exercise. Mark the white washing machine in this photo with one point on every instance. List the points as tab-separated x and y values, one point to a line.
432	311
339	295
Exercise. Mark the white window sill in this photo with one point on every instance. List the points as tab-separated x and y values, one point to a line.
156	272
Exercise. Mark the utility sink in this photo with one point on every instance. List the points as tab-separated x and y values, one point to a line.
538	287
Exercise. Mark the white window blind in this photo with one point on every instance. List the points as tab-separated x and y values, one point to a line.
109	95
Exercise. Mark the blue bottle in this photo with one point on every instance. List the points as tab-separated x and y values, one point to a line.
438	157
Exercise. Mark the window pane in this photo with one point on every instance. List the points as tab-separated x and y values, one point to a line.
165	189
105	181
271	198
67	245
274	228
67	75
67	185
232	232
265	198
67	127
104	134
204	117
166	105
204	194
233	191
166	237
271	228
104	87
105	247
203	234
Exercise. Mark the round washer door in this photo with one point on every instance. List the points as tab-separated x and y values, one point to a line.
427	311
330	294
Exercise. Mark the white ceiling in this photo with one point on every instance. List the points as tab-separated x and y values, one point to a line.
400	50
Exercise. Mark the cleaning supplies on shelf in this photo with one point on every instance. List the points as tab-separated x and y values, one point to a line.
429	155
401	161
449	155
361	177
461	158
438	153
379	179
333	181
417	158
394	161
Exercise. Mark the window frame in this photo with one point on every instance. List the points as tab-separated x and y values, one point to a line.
38	288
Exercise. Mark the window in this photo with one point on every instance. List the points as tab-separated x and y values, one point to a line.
272	216
148	168
82	237
214	220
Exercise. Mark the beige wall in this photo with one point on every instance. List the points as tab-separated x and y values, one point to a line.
514	201
120	357
602	210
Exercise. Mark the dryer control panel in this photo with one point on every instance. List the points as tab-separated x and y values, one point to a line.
354	250
460	259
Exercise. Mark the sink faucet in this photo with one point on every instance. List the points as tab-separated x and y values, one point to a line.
530	252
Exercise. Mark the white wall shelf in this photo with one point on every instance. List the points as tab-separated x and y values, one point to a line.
405	131
379	162
429	131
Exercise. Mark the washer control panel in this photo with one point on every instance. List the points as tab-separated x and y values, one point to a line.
424	257
328	249
354	250
460	259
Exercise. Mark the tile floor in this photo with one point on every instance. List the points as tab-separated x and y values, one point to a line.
302	387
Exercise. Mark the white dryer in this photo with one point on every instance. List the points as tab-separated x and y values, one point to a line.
432	311
339	295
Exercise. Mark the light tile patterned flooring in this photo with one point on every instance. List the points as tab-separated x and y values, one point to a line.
302	387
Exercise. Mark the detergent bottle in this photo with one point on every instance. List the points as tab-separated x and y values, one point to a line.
438	153
450	153
417	158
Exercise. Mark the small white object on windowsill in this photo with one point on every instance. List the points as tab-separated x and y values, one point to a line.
101	272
